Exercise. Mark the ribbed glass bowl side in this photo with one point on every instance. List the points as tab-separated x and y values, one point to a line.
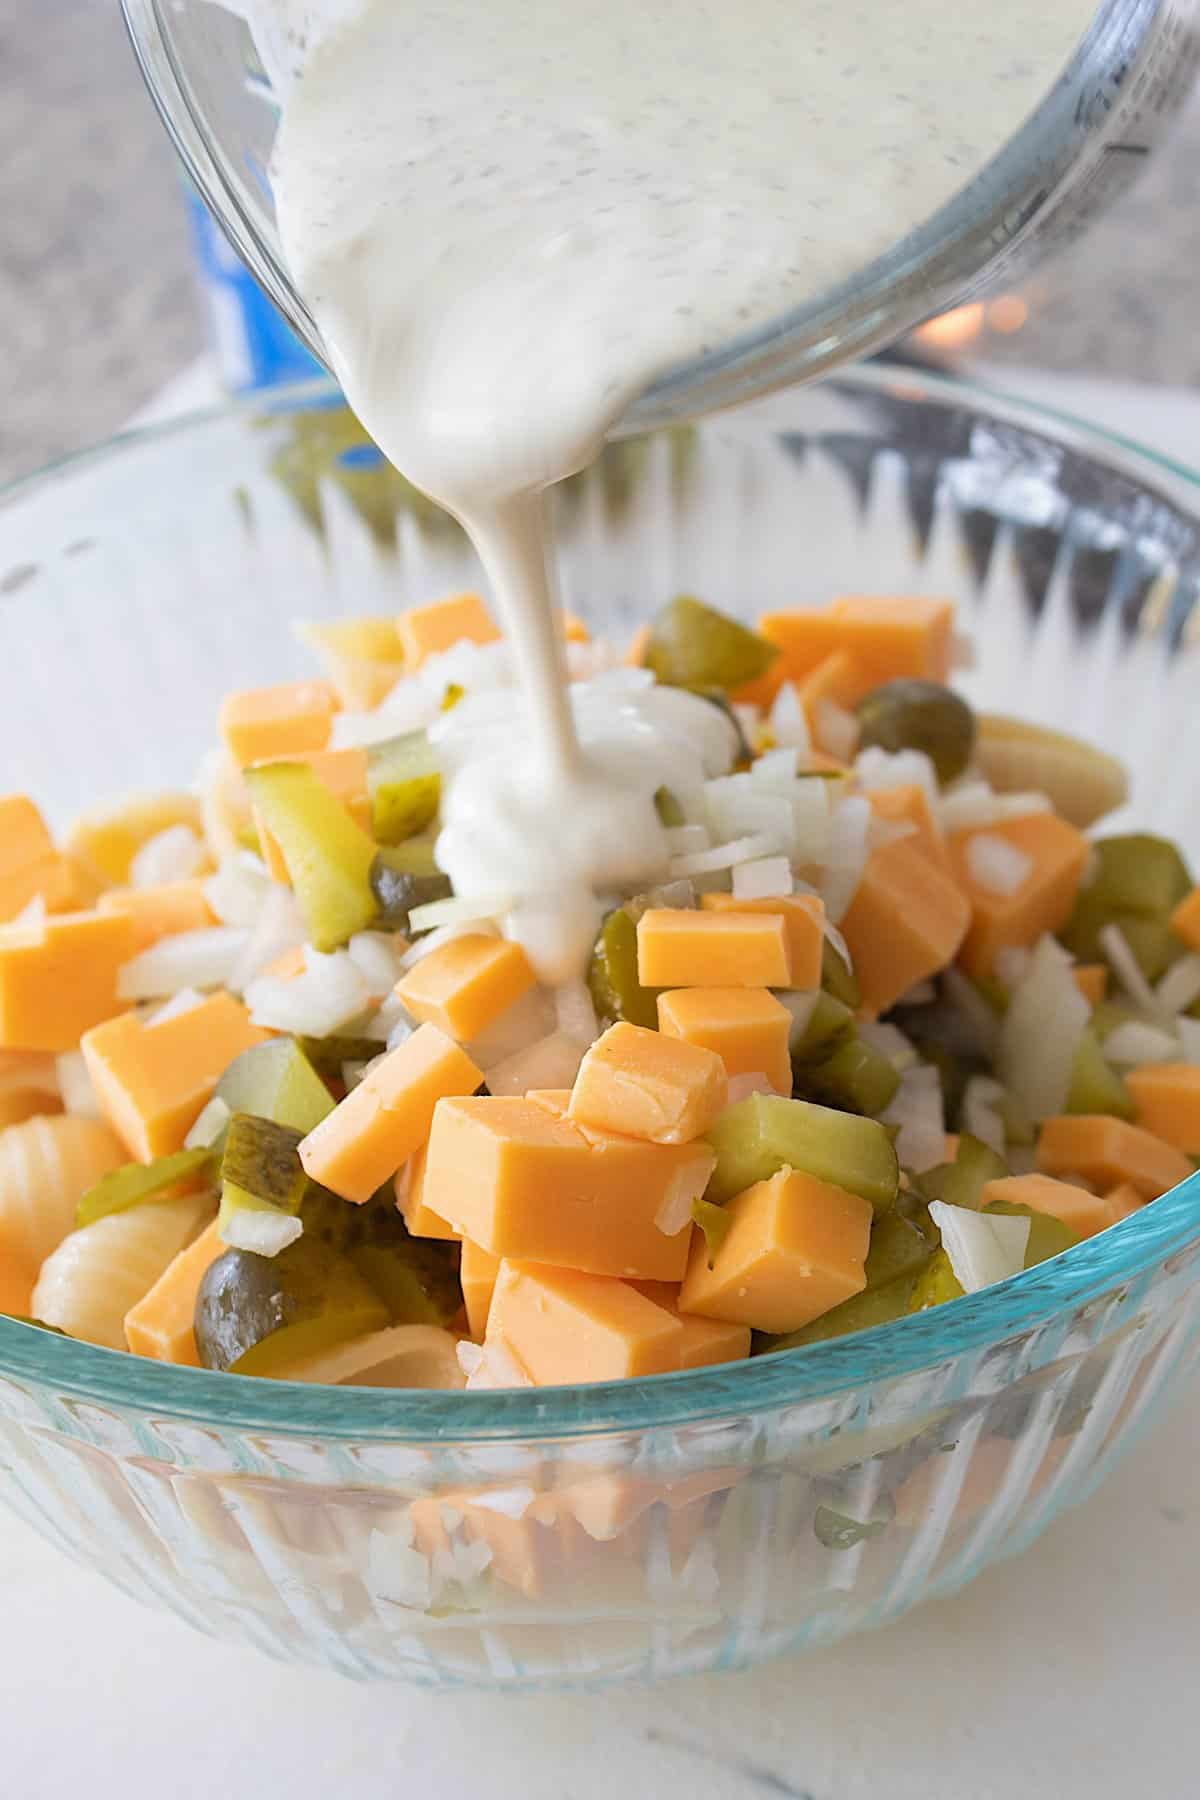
687	1522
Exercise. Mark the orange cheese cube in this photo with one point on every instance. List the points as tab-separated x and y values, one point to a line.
551	1100
102	843
159	912
1109	1152
805	636
428	630
421	1220
795	1248
58	979
161	1325
748	1028
803	916
29	863
1167	1098
1124	1200
712	949
563	1326
840	680
635	653
909	805
703	1342
362	657
1042	903
386	1118
645	1085
525	1184
154	1080
344	773
1185	920
1080	1211
888	637
1092	981
259	724
466	983
906	922
477	1272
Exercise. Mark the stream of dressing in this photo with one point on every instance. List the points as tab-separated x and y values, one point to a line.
508	216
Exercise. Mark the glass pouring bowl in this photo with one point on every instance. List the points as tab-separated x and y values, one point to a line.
617	1532
1078	148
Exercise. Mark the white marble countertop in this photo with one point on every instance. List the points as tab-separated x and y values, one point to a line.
1064	1676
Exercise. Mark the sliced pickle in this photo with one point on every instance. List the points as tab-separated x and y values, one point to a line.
134	1183
398	887
328	856
1081	783
277	1080
405	786
765	1133
692	645
258	1315
919	715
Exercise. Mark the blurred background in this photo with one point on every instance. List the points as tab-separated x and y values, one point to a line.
101	300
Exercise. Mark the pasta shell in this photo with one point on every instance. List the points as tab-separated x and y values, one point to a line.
98	1273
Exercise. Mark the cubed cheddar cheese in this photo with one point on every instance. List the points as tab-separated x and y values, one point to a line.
888	637
526	1184
1167	1098
907	920
344	773
643	1084
420	1219
1080	1211
1110	1151
551	1100
1092	981
909	805
29	863
748	1028
703	1342
104	841
428	630
386	1118
1185	920
362	657
162	1324
565	1327
262	724
153	1080
477	1272
803	917
678	948
159	912
59	978
1124	1200
794	1249
1057	854
466	983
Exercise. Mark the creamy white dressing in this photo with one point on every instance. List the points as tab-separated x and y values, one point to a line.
509	216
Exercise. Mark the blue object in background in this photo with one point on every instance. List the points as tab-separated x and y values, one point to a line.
255	346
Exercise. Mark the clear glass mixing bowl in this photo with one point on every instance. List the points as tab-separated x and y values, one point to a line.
694	1521
1091	133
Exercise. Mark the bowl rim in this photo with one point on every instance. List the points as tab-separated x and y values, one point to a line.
88	1373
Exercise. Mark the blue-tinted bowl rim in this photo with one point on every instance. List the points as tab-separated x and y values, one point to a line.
1128	1250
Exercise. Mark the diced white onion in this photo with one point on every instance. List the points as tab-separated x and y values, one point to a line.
983	1247
923	993
510	1503
890	1041
75	1085
833	936
917	1109
980	1112
969	805
801	1006
1180	986
675	1210
962	651
847	858
995	864
279	928
1012	965
209	1125
238	892
175	854
883	832
1189	1039
433	940
374	955
1125	967
553	1062
786	720
185	1001
526	1022
1134	1044
724	856
877	769
263	1233
495	1366
777	768
685	840
575	1012
1040	1032
811	821
837	730
189	959
971	1006
764	879
466	911
749	718
737	805
1021	806
324	997
31	915
742	1086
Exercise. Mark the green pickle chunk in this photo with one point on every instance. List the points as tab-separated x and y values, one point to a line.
856	1077
837	978
328	856
260	1170
714	1222
764	1133
416	1278
899	1249
919	715
1139	879
405	785
830	1024
258	1315
938	1284
1048	1236
277	1081
875	1306
613	978
694	646
961	1183
399	888
134	1183
1095	1085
